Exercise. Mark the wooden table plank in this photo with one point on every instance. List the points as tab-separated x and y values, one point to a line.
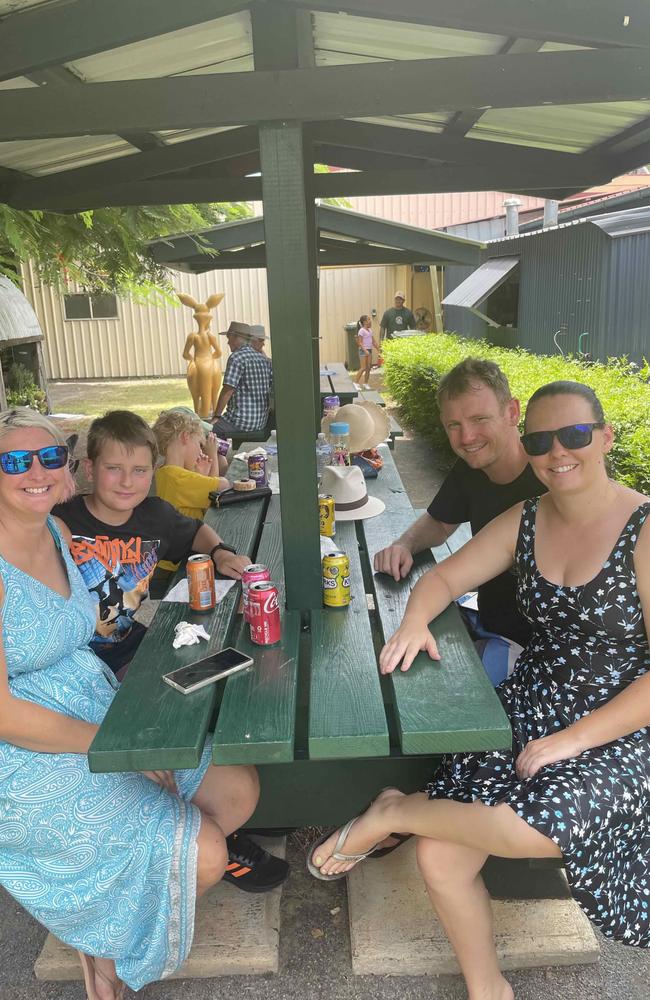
388	486
149	726
342	384
258	712
444	706
347	716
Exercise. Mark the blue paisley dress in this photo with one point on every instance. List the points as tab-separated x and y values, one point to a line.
588	644
107	862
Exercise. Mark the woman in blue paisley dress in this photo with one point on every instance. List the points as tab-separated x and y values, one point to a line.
576	782
112	864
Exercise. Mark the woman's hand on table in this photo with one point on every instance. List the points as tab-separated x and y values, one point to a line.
547	750
166	780
402	648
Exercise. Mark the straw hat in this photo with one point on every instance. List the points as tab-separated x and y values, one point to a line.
348	487
369	424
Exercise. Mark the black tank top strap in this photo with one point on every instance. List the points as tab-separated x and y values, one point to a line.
526	536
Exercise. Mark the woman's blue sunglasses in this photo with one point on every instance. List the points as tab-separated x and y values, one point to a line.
572	437
14	463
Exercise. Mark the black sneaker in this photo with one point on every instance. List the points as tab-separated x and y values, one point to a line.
250	867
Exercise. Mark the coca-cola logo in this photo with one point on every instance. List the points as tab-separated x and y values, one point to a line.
271	603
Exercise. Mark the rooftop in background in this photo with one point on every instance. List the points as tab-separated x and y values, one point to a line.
428	95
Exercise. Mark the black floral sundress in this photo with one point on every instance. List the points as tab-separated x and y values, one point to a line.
588	644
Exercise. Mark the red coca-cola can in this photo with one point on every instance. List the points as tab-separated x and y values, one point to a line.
264	613
255	573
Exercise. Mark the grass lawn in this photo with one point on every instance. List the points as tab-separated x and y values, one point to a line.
147	397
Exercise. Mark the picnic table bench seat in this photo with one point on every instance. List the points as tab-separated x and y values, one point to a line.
324	729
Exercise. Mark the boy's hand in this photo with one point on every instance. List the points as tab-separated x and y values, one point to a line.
229	564
203	465
211	445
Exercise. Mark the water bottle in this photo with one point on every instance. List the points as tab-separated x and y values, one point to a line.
323	454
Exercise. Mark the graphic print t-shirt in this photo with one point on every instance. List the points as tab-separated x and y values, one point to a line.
117	562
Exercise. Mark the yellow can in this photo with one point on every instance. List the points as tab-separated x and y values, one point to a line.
326	515
336	580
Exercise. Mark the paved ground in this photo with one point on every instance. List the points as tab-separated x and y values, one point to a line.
314	955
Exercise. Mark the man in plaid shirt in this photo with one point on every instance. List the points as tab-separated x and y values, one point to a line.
243	403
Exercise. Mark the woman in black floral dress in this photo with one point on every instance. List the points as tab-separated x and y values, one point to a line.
576	782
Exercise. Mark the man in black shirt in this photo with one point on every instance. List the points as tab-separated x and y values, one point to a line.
492	474
396	319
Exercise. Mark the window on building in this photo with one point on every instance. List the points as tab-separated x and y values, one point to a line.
84	306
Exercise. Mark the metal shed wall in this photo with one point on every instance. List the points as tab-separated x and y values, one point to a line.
578	277
147	341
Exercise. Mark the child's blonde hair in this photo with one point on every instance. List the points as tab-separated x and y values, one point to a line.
172	423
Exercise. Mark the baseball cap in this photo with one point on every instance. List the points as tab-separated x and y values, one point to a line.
399	295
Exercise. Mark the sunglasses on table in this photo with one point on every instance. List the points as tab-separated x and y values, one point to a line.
572	437
14	463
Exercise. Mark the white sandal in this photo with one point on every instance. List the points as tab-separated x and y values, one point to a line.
336	854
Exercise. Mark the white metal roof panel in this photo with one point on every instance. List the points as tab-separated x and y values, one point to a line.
481	282
571	128
421	123
344	38
221	46
50	156
18	83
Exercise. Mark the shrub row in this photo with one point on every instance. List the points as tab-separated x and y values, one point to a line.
414	367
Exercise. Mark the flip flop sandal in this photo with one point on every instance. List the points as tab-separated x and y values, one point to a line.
382	852
89	970
336	854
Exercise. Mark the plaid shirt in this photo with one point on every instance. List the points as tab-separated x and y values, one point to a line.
251	375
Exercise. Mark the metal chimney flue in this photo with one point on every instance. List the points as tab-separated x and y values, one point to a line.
512	206
551	210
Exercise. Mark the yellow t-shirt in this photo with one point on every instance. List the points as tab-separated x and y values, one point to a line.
187	491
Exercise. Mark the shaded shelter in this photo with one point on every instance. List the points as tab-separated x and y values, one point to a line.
21	338
216	100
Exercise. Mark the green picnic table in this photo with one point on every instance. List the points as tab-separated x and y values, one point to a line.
335	380
325	730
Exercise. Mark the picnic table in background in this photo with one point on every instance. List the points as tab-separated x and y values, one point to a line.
337	382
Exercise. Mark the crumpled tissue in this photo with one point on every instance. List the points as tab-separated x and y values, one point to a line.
188	634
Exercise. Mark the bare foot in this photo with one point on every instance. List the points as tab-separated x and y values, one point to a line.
502	991
370	829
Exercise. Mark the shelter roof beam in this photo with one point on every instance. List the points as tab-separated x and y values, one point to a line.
393	88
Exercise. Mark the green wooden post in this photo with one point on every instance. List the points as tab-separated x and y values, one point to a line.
290	255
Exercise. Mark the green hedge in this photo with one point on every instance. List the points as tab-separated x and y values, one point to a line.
414	367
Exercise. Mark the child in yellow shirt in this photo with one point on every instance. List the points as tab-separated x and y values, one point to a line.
192	463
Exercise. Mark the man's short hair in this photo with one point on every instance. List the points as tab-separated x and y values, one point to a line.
123	427
465	376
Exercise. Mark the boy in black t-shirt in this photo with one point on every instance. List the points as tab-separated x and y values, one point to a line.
492	474
119	534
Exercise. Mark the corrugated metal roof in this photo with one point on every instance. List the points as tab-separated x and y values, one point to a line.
435	211
615	224
570	128
481	283
17	318
224	45
49	156
341	39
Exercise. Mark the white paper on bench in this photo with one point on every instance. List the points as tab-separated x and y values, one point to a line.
180	593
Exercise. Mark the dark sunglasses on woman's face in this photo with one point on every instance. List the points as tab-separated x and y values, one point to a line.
14	463
572	437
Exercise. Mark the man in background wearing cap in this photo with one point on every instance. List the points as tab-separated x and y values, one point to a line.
243	403
396	319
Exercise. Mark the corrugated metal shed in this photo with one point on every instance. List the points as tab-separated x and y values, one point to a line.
590	276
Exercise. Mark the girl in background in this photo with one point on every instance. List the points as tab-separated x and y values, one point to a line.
365	342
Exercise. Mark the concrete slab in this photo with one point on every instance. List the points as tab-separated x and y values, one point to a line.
394	931
235	933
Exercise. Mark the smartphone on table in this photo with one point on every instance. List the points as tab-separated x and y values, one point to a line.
198	675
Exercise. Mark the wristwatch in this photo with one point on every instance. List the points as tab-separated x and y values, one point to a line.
222	545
